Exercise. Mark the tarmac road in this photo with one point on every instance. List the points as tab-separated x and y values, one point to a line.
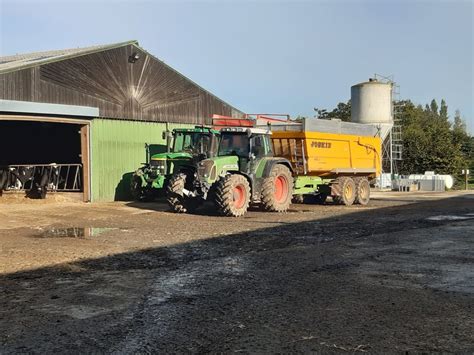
395	276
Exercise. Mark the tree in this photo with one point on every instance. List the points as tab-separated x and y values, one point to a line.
443	111
428	140
463	140
459	124
342	112
434	106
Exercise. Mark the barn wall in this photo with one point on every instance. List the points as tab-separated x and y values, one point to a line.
17	85
117	150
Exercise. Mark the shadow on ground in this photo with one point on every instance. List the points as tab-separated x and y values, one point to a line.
376	280
206	209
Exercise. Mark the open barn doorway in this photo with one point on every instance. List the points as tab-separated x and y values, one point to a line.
38	157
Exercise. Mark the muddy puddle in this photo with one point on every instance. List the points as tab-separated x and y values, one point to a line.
73	232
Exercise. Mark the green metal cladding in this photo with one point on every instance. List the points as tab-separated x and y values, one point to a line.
117	150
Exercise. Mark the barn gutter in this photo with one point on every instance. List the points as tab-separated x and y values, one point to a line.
47	109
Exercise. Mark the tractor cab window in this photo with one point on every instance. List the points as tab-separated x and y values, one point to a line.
261	145
268	144
192	142
234	144
258	146
204	144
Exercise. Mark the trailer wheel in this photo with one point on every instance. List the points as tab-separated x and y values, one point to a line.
346	189
232	195
175	197
362	191
277	189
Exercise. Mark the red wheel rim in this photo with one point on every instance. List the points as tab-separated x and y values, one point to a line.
239	196
281	189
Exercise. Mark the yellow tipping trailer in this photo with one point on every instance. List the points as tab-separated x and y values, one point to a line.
330	158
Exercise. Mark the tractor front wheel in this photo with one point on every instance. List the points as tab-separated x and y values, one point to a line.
176	198
277	189
232	195
139	193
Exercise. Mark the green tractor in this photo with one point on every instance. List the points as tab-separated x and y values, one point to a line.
189	147
243	172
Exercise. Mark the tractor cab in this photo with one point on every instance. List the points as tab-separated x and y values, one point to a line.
198	141
250	143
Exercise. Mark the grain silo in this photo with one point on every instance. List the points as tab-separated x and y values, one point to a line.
372	103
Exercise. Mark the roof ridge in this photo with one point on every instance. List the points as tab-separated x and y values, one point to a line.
26	60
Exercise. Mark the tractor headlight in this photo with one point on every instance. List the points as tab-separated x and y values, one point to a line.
159	166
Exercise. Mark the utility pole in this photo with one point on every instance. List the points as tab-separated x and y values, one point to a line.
466	173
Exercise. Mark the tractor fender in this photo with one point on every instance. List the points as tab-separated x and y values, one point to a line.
274	161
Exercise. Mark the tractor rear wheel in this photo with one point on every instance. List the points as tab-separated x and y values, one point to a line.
175	196
232	195
277	189
346	191
362	191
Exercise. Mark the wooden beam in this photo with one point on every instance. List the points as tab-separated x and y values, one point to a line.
4	117
85	157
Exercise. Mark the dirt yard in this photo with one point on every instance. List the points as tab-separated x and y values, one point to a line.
397	275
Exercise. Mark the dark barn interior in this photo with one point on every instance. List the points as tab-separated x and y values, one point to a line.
25	142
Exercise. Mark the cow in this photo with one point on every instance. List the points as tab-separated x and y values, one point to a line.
44	179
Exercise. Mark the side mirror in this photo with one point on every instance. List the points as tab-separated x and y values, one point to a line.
163	135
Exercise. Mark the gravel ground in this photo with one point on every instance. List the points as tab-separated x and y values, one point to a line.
397	275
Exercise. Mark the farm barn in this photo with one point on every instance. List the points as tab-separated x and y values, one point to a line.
91	111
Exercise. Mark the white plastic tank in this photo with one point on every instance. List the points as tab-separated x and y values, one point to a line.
448	179
371	103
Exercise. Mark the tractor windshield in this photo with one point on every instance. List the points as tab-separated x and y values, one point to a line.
234	143
193	142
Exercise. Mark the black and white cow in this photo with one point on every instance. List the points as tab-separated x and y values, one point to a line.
4	177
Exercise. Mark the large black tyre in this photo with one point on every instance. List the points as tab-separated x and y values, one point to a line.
138	192
362	191
346	191
232	195
175	196
277	189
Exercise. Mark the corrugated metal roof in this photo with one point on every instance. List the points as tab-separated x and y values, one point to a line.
18	62
23	61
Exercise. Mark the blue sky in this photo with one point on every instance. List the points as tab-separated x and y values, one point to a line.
272	56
